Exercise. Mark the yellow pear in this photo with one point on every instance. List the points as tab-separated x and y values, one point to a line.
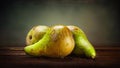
35	34
57	42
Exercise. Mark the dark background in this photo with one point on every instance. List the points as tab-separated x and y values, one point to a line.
99	19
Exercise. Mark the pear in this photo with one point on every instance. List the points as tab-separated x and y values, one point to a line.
57	42
35	34
82	44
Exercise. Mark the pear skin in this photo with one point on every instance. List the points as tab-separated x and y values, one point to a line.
82	44
35	34
57	42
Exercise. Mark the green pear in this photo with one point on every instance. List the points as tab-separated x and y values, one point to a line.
35	34
82	44
57	42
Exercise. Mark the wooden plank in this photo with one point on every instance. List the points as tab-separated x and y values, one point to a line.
15	57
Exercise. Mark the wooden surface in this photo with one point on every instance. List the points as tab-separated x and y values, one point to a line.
107	57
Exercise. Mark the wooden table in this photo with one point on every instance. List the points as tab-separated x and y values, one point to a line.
107	57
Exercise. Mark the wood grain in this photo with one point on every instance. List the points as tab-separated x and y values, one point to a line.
107	57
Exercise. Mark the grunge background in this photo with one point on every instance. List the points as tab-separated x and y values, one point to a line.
98	19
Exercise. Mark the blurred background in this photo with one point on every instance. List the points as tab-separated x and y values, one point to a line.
97	18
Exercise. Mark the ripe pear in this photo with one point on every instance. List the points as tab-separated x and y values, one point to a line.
82	44
58	42
35	34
